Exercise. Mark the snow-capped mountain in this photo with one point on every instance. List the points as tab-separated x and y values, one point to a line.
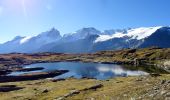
133	38
43	38
89	40
30	43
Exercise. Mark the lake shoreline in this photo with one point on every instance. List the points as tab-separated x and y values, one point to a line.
11	62
15	61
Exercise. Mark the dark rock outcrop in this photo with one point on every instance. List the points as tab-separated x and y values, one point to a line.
31	76
8	88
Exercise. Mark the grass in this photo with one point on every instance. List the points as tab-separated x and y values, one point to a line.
122	88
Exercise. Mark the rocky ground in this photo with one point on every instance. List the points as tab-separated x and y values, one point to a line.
121	88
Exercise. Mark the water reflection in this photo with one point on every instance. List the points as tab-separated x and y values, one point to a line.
119	71
89	70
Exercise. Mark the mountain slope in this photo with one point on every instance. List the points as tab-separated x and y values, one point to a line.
81	34
78	46
160	38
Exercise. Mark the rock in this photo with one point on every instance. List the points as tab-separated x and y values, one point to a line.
156	88
139	79
132	51
125	95
87	78
73	92
136	61
8	88
56	80
163	92
32	76
119	81
163	81
168	81
29	69
167	94
5	72
45	91
93	87
155	74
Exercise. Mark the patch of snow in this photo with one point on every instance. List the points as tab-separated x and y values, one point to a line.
141	33
26	39
137	33
102	38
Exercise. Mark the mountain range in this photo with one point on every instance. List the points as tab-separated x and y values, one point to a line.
88	40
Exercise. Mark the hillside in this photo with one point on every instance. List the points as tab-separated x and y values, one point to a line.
147	56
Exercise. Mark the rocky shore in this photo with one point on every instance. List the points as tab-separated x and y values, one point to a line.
31	76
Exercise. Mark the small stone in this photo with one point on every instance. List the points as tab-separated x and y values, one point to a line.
139	80
163	81
167	94
163	92
125	95
155	88
92	99
56	80
119	81
155	74
45	91
167	98
168	81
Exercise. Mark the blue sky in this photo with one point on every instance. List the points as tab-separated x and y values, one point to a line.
31	17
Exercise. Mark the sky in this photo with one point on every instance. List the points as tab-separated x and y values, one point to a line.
31	17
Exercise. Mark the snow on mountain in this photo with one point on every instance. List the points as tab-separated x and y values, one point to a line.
141	33
137	33
25	39
45	37
30	43
89	40
102	38
81	34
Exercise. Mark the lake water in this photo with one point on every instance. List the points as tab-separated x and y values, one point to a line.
89	70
